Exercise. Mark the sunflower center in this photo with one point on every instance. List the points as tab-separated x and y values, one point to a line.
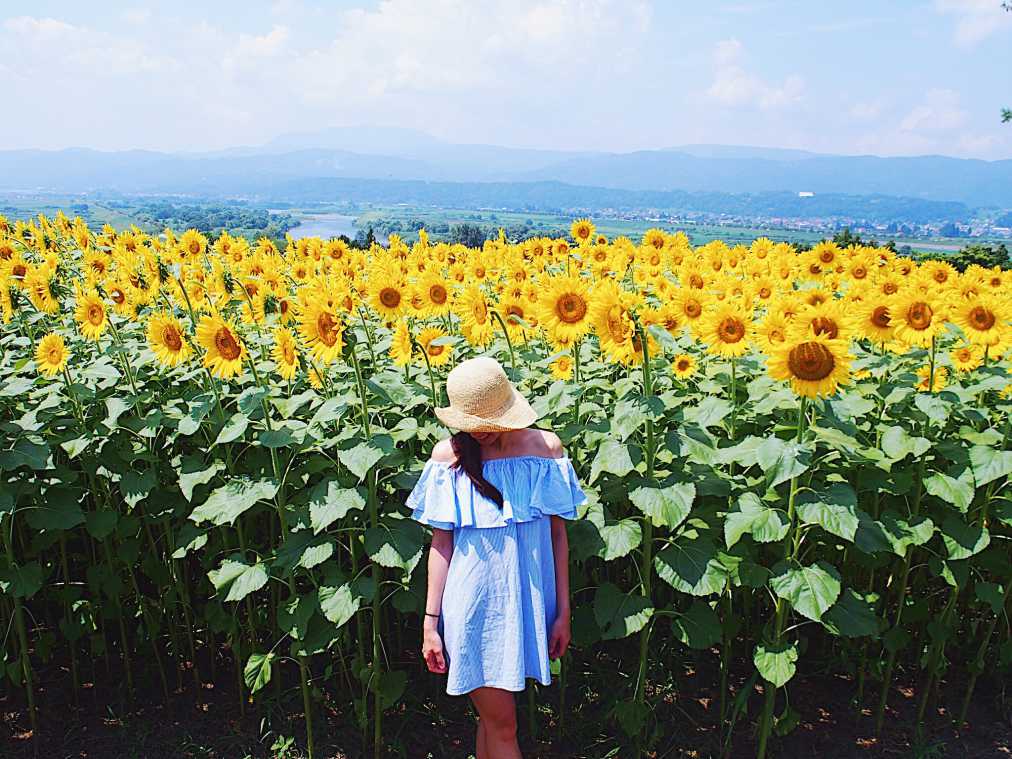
890	288
571	308
326	328
823	325
880	316
859	272
919	315
118	296
826	256
435	350
194	247
765	292
226	344
811	362
288	351
731	330
437	294
941	276
683	364
693	308
96	314
982	318
172	339
514	310
696	281
390	297
19	270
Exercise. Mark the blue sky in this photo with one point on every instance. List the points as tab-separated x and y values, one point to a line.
888	78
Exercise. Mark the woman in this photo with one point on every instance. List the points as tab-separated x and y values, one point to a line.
496	495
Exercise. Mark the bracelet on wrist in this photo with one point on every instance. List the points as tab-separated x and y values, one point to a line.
430	614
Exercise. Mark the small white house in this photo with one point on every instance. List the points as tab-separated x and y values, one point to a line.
806	194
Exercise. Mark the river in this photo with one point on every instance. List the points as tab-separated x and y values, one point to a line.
324	225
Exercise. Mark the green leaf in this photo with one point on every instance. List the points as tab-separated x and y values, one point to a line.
199	408
230	501
958	492
395	543
294	615
101	523
897	444
330	502
626	418
699	627
753	517
21	581
58	509
280	437
620	614
77	446
190	538
992	594
360	459
691	565
776	662
339	604
834	509
811	590
989	464
853	616
257	672
710	412
240	579
288	406
193	472
135	486
389	686
963	540
234	429
612	456
666	507
781	461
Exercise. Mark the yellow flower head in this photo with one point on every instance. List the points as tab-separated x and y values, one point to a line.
90	314
51	355
285	353
683	366
815	365
167	339
438	353
725	329
224	351
562	367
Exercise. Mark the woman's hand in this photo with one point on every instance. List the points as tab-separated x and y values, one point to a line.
432	650
558	640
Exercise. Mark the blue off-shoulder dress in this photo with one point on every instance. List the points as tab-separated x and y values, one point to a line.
499	599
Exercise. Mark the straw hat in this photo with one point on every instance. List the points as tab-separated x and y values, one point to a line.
482	399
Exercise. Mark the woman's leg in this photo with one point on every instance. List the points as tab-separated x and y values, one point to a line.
497	712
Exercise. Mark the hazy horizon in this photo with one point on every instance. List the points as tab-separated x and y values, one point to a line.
908	78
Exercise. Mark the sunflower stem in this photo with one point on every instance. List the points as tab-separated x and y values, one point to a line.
509	343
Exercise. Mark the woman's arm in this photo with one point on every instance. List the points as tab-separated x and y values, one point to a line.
560	635
440	551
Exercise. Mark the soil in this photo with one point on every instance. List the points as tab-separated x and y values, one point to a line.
205	722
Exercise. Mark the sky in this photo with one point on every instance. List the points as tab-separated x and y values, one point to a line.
857	77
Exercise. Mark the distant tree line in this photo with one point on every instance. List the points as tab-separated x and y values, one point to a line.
214	219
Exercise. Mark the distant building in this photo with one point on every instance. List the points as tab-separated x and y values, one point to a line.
806	194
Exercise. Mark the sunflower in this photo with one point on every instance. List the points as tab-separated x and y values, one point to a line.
938	380
192	244
167	340
691	305
612	321
827	317
983	319
683	366
966	358
562	367
400	344
725	329
285	353
815	365
39	284
435	294
224	351
916	317
564	308
322	331
770	332
582	231
51	355
90	314
654	238
386	292
872	319
475	316
316	378
438	353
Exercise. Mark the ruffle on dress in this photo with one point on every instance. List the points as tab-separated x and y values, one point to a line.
532	487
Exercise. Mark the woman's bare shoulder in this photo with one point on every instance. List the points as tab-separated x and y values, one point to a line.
545	443
443	452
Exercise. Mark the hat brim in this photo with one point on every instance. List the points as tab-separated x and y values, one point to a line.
517	416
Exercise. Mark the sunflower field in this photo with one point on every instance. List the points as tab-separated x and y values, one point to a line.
797	465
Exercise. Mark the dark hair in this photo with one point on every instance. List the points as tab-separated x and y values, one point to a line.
468	452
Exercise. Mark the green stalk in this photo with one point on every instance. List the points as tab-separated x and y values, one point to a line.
934	656
646	558
905	574
509	343
22	633
780	615
978	663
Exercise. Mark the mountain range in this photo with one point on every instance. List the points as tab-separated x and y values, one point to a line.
390	153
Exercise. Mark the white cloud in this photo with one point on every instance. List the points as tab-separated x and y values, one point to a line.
940	111
733	85
866	110
976	20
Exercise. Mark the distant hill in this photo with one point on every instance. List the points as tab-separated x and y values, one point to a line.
393	153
